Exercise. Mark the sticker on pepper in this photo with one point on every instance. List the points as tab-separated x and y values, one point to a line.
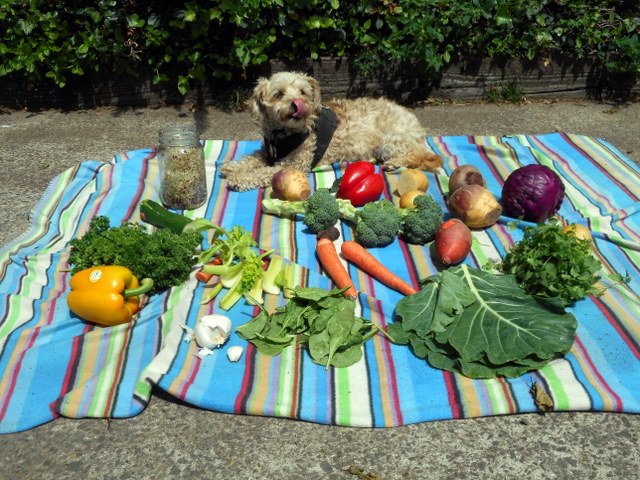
360	184
95	275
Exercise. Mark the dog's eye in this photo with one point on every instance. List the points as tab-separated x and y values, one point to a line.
303	93
280	94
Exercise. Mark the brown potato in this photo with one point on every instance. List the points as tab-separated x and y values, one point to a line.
406	200
291	184
579	231
412	179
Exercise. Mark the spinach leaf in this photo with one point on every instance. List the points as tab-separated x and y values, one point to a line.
323	321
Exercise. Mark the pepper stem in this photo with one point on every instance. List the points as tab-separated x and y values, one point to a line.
146	284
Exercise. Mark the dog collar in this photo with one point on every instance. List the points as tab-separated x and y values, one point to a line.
283	143
325	125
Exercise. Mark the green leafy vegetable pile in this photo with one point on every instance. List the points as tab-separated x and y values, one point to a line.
482	325
323	321
166	257
550	263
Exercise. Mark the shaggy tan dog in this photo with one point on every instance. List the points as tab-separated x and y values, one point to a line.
299	131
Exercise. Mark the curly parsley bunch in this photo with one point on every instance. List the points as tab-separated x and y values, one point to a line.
166	257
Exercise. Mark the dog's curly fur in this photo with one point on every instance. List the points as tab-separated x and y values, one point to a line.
367	128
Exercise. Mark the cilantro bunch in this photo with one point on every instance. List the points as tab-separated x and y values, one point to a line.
550	263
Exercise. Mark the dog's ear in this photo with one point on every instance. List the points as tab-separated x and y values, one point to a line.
315	87
255	103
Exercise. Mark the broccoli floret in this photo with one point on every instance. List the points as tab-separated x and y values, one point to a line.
378	224
420	223
320	211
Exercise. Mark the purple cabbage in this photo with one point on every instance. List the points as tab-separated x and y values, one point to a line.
533	193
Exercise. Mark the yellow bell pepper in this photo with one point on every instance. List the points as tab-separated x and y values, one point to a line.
107	295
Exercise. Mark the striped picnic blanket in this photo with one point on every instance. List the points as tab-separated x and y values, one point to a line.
52	364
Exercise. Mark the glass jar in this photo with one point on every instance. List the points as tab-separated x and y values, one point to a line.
183	180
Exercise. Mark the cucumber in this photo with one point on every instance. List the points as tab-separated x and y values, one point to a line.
155	214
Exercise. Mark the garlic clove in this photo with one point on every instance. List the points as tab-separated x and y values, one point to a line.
234	353
211	331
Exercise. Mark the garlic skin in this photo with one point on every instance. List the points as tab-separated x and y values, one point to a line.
212	331
234	353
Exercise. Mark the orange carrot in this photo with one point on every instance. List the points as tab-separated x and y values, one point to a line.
205	277
330	261
357	254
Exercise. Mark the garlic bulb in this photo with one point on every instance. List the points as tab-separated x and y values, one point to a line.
234	353
211	331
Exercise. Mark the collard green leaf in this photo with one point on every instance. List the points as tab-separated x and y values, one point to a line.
483	325
399	335
419	347
454	294
480	370
443	362
506	324
441	321
416	310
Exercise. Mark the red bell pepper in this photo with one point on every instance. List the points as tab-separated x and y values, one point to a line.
360	184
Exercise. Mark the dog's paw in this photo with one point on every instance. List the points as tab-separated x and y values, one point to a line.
420	159
229	168
429	162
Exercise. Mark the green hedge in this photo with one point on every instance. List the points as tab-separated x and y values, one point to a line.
49	41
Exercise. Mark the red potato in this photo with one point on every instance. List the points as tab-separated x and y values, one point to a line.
453	242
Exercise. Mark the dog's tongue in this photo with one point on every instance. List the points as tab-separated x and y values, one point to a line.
300	108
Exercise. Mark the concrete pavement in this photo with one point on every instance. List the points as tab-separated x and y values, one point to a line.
171	440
